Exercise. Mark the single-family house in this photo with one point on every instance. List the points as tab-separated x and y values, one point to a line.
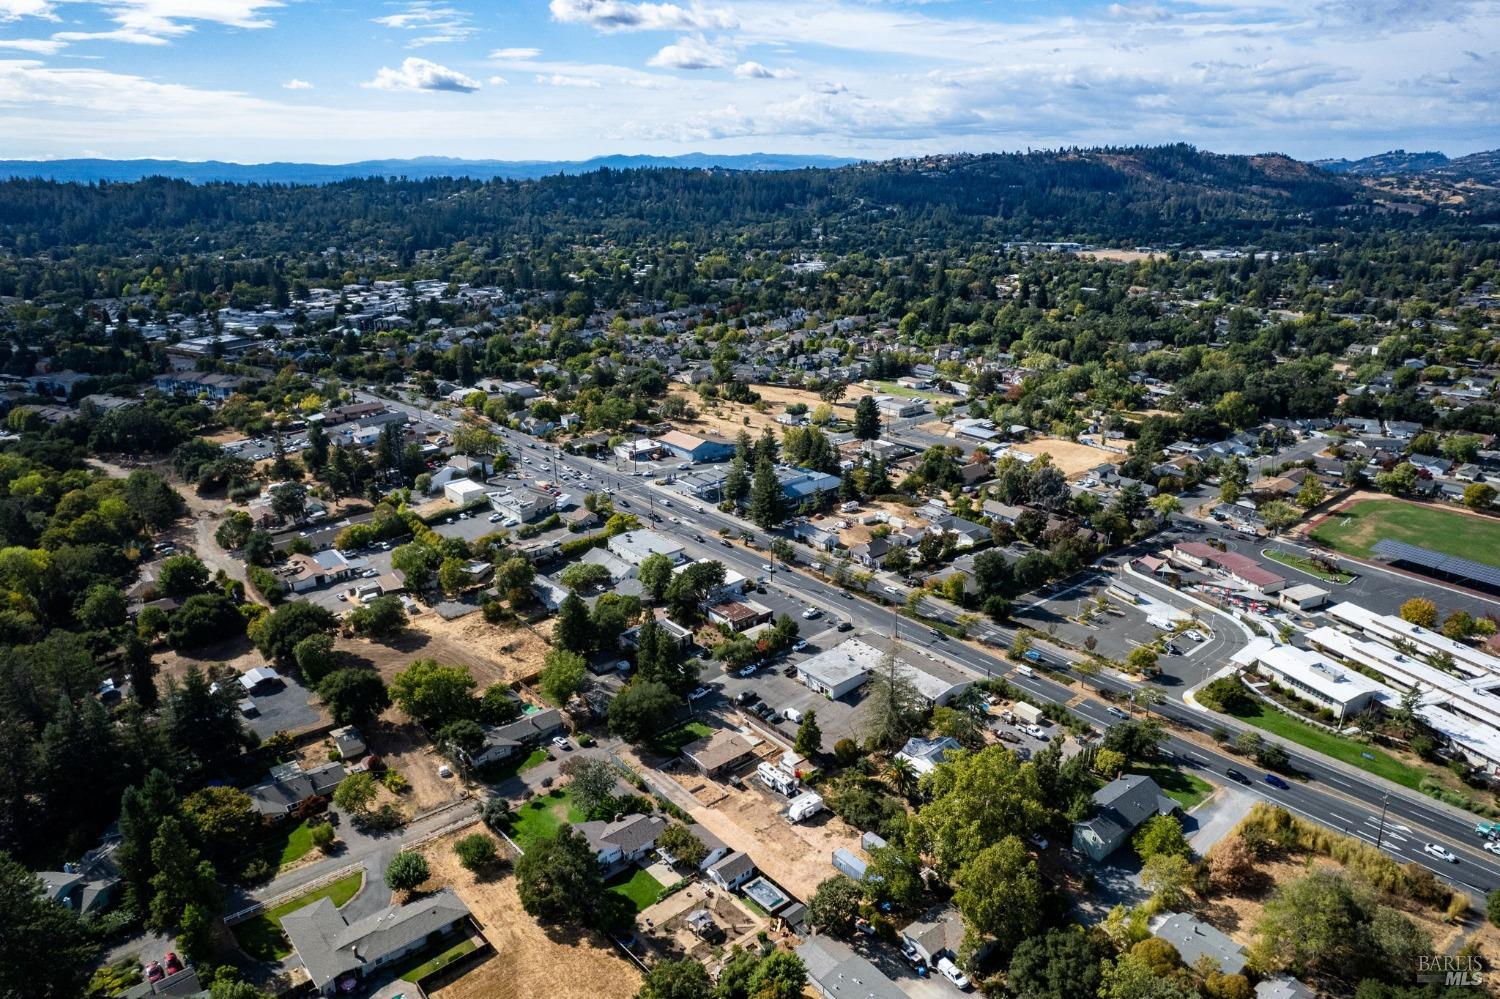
1196	940
622	841
925	754
500	741
1123	804
718	753
836	971
290	786
338	954
732	870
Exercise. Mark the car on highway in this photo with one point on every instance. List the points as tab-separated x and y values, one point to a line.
1235	775
891	590
1440	852
700	693
1491	846
1277	782
1117	712
726	542
766	567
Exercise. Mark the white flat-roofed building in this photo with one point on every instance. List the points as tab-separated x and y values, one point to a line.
841	670
1315	677
637	546
1390	628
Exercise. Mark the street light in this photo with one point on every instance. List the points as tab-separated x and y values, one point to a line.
1385	799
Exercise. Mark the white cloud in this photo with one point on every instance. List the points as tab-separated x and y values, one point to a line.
515	54
36	46
170	17
498	81
123	35
1138	12
439	23
568	80
14	10
296	84
753	70
422	74
691	52
621	15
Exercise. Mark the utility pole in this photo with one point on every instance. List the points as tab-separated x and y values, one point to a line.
1385	800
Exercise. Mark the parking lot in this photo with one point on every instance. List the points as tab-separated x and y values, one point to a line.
283	708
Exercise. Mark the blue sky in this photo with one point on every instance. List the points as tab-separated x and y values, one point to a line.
335	80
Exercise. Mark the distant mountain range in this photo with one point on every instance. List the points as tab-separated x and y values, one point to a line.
208	171
1483	167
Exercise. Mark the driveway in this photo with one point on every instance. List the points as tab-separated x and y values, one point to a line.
286	708
1217	816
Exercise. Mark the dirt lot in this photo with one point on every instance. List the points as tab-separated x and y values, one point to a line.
727	418
1071	457
1237	915
493	654
237	653
858	534
796	857
673	938
1118	256
527	961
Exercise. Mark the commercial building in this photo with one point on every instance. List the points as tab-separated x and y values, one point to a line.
462	492
689	447
835	971
637	546
1238	568
1314	677
841	670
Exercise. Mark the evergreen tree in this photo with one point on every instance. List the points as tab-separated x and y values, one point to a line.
767	505
866	419
571	631
809	735
142	811
737	481
316	452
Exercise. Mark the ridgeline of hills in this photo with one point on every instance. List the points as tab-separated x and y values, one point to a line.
1116	196
1482	167
421	168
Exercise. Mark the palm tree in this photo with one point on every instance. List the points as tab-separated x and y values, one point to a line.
902	775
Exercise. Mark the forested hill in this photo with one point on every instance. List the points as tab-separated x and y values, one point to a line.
211	171
1121	196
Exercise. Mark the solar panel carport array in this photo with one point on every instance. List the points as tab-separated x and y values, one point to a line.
1433	563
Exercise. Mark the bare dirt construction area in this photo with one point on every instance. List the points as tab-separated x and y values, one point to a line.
857	533
1119	256
237	653
727	419
795	856
491	653
1072	458
405	748
528	961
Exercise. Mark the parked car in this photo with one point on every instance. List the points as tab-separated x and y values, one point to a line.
810	613
1441	853
1196	636
801	644
745	697
950	971
561	743
744	671
700	693
910	956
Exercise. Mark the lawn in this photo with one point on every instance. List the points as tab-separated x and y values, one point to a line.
298	842
671	743
1304	564
1187	789
261	936
1355	529
494	773
542	816
891	388
414	973
1382	764
641	888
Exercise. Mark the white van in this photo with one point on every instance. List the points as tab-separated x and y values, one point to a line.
1026	671
792	715
950	971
